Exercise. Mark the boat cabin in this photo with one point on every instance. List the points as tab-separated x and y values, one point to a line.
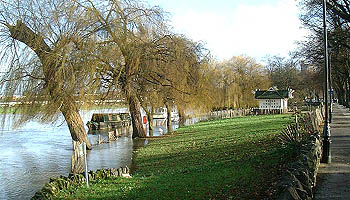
108	120
161	113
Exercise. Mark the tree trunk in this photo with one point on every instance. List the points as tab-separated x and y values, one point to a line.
134	108
150	121
168	122
149	115
341	96
75	123
78	164
182	117
347	94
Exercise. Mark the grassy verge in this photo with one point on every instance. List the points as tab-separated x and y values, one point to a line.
227	159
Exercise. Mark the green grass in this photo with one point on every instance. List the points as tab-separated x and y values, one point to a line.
226	159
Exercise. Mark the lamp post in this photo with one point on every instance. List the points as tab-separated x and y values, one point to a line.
326	154
330	84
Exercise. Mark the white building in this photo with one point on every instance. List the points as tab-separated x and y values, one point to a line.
273	99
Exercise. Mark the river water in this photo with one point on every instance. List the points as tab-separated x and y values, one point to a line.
33	153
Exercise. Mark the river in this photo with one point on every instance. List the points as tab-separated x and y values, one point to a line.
33	153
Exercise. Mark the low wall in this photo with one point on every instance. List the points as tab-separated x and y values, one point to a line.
223	114
299	180
51	189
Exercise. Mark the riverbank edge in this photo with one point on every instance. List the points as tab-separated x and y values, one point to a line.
291	186
299	180
55	185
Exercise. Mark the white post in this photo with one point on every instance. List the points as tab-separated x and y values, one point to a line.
86	168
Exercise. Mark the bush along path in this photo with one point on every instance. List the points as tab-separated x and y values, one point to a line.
240	158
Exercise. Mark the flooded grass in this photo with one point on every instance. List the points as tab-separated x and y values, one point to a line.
225	159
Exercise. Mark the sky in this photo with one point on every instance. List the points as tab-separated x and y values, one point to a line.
254	28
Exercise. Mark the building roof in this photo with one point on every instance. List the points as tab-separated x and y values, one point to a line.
272	94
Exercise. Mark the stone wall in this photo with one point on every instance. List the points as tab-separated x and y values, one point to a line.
55	185
299	180
224	114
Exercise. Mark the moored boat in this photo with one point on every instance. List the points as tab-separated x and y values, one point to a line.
100	121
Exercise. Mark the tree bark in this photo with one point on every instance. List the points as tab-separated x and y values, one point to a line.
182	117
77	159
134	108
168	121
75	123
339	95
347	94
23	33
150	120
149	115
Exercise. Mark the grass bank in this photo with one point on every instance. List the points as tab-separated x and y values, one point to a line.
226	159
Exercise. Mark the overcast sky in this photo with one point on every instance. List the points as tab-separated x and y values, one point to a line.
229	28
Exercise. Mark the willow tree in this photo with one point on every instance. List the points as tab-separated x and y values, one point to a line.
235	80
129	28
172	68
44	44
252	76
190	78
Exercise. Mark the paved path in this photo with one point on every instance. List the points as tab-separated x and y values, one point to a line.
333	180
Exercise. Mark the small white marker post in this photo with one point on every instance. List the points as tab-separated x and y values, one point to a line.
86	168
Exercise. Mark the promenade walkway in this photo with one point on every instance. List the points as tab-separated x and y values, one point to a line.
333	180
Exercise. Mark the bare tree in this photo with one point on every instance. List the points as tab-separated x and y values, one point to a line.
338	23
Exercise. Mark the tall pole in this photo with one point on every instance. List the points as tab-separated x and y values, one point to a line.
330	85
326	155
